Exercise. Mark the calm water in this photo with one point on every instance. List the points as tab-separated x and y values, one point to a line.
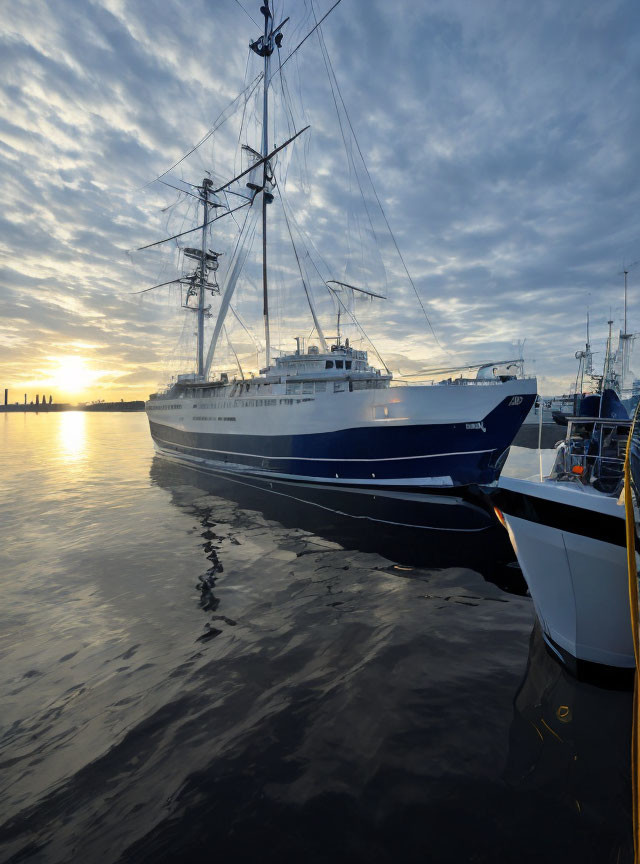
335	693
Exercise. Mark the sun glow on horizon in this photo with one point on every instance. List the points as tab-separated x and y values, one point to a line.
72	374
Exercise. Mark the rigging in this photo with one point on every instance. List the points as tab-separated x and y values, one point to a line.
384	216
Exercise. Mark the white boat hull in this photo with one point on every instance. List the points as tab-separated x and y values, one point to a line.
570	546
440	436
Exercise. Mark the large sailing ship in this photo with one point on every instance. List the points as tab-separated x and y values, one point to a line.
321	414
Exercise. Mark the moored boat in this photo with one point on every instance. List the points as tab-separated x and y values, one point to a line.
321	415
569	533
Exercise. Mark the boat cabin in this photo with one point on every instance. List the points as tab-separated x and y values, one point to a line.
593	453
302	373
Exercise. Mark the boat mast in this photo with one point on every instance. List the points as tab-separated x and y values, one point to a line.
265	149
264	47
206	186
606	378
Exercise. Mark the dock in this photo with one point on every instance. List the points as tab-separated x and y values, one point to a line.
529	433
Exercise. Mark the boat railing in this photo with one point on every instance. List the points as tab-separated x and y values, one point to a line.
451	382
593	453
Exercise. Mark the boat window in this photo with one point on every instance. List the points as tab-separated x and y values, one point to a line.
321	386
293	387
347	364
338	386
338	364
328	364
307	387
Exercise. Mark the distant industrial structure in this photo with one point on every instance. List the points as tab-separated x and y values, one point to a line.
41	403
44	403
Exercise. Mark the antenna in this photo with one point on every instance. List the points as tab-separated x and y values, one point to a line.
624	272
587	326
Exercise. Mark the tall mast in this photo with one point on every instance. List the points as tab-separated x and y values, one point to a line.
268	46
625	271
206	185
264	47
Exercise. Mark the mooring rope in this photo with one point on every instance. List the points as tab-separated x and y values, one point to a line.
633	607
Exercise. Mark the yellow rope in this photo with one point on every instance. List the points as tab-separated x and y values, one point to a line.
633	606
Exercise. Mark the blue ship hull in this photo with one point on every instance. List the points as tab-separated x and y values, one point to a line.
392	456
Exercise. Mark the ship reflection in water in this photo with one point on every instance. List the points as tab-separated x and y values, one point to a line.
393	529
564	792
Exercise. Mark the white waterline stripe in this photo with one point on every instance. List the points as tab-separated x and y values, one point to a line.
226	476
339	482
316	458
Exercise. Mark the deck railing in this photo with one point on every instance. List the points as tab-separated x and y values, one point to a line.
593	453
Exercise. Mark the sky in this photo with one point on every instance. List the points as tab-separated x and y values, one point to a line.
501	138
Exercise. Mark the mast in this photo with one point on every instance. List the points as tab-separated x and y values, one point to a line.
624	341
588	361
206	185
588	346
607	370
265	149
264	47
626	338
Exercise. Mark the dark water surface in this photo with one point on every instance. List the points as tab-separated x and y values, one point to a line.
195	671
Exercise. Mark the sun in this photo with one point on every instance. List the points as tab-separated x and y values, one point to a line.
72	375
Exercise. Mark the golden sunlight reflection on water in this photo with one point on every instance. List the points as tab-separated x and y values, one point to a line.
72	437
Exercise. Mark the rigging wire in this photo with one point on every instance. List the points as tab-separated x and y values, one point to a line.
247	13
197	228
348	149
329	290
300	44
233	350
243	117
361	329
236	315
184	192
384	216
220	120
304	282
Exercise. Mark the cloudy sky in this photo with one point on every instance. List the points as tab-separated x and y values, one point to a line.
502	139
